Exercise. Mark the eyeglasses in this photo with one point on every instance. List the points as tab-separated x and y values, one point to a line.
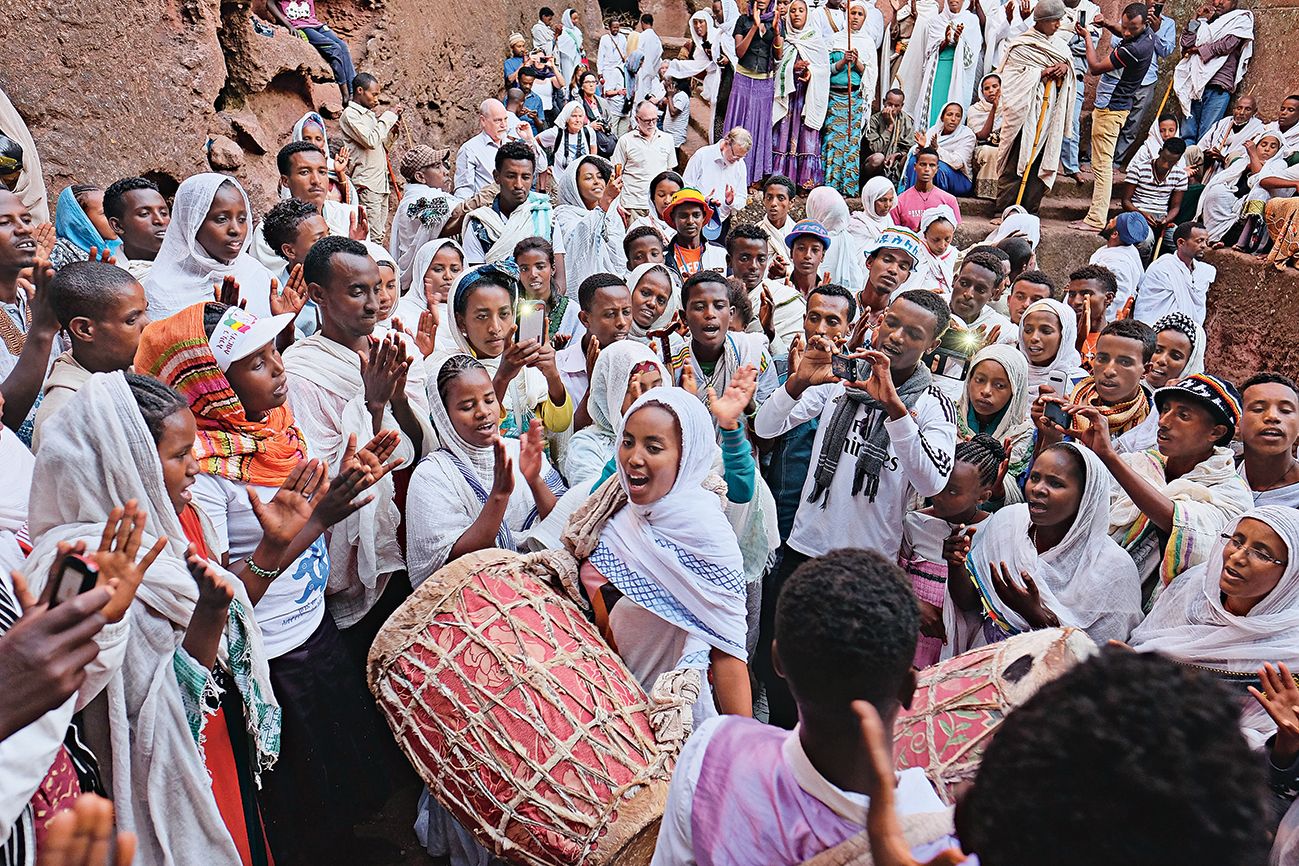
1256	556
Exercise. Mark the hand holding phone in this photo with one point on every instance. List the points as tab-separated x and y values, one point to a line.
76	576
532	321
1054	412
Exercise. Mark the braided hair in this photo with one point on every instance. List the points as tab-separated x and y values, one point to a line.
156	400
454	367
984	453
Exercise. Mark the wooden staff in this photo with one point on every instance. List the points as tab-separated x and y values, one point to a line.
1164	101
1037	133
851	66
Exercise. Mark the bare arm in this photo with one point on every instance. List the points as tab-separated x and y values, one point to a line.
21	388
731	684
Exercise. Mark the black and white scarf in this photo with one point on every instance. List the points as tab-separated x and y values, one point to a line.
875	448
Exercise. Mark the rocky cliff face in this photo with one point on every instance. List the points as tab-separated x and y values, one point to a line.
167	88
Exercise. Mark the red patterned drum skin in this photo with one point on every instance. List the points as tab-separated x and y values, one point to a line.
959	703
522	721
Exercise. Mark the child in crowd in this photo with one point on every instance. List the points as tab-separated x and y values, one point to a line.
643	245
938	228
536	260
1269	431
655	293
934	535
1091	291
688	253
1028	287
807	242
915	200
480	489
606	317
995	402
102	309
845	629
139	216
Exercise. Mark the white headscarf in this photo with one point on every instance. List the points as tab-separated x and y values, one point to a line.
807	45
314	118
184	274
941	269
958	145
843	259
413	300
1014	421
560	159
866	225
679	558
97	454
1024	225
1087	580
1067	357
382	257
639	334
1190	624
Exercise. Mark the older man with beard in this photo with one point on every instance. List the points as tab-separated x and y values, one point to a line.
29	327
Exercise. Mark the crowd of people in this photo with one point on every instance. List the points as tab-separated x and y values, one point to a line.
836	451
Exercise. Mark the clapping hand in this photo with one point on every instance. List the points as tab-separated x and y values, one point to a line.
730	406
384	372
358	225
1280	697
357	472
531	445
214	591
115	558
45	238
292	297
228	293
503	471
83	835
288	511
343	162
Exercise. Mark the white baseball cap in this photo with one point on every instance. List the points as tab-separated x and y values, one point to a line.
240	333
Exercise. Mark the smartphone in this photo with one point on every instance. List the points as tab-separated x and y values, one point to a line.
844	367
1054	412
532	321
1082	17
78	575
1159	9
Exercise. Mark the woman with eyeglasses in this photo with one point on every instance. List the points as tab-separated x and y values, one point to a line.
1237	613
1177	497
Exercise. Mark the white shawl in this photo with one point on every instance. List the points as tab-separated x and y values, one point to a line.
1014	424
592	243
866	225
184	274
1022	94
413	300
678	557
704	59
1222	138
843	259
1192	75
1067	357
97	455
962	81
530	219
528	389
807	45
1189	623
1017	225
1204	501
1086	580
591	447
639	334
31	183
1220	207
444	498
957	147
327	396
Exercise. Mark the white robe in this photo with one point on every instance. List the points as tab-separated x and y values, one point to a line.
963	79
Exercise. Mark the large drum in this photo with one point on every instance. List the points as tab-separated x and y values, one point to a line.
959	703
521	720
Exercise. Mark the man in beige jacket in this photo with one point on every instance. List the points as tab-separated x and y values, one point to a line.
370	134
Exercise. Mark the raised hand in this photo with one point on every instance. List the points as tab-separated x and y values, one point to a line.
1280	697
592	354
767	311
343	162
864	324
228	293
1002	468
426	331
45	239
730	195
888	844
612	190
1024	600
688	381
42	298
83	836
292	297
814	363
214	591
1096	436
531	446
97	255
384	371
288	511
503	473
358	225
116	557
729	407
43	657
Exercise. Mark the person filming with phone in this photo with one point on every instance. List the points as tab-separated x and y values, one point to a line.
886	434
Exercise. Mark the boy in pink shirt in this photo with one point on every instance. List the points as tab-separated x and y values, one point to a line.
924	195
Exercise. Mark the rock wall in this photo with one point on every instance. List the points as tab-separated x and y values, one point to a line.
114	89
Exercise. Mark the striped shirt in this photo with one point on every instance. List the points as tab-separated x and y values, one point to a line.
1152	194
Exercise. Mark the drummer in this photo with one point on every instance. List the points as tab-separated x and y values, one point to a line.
741	786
